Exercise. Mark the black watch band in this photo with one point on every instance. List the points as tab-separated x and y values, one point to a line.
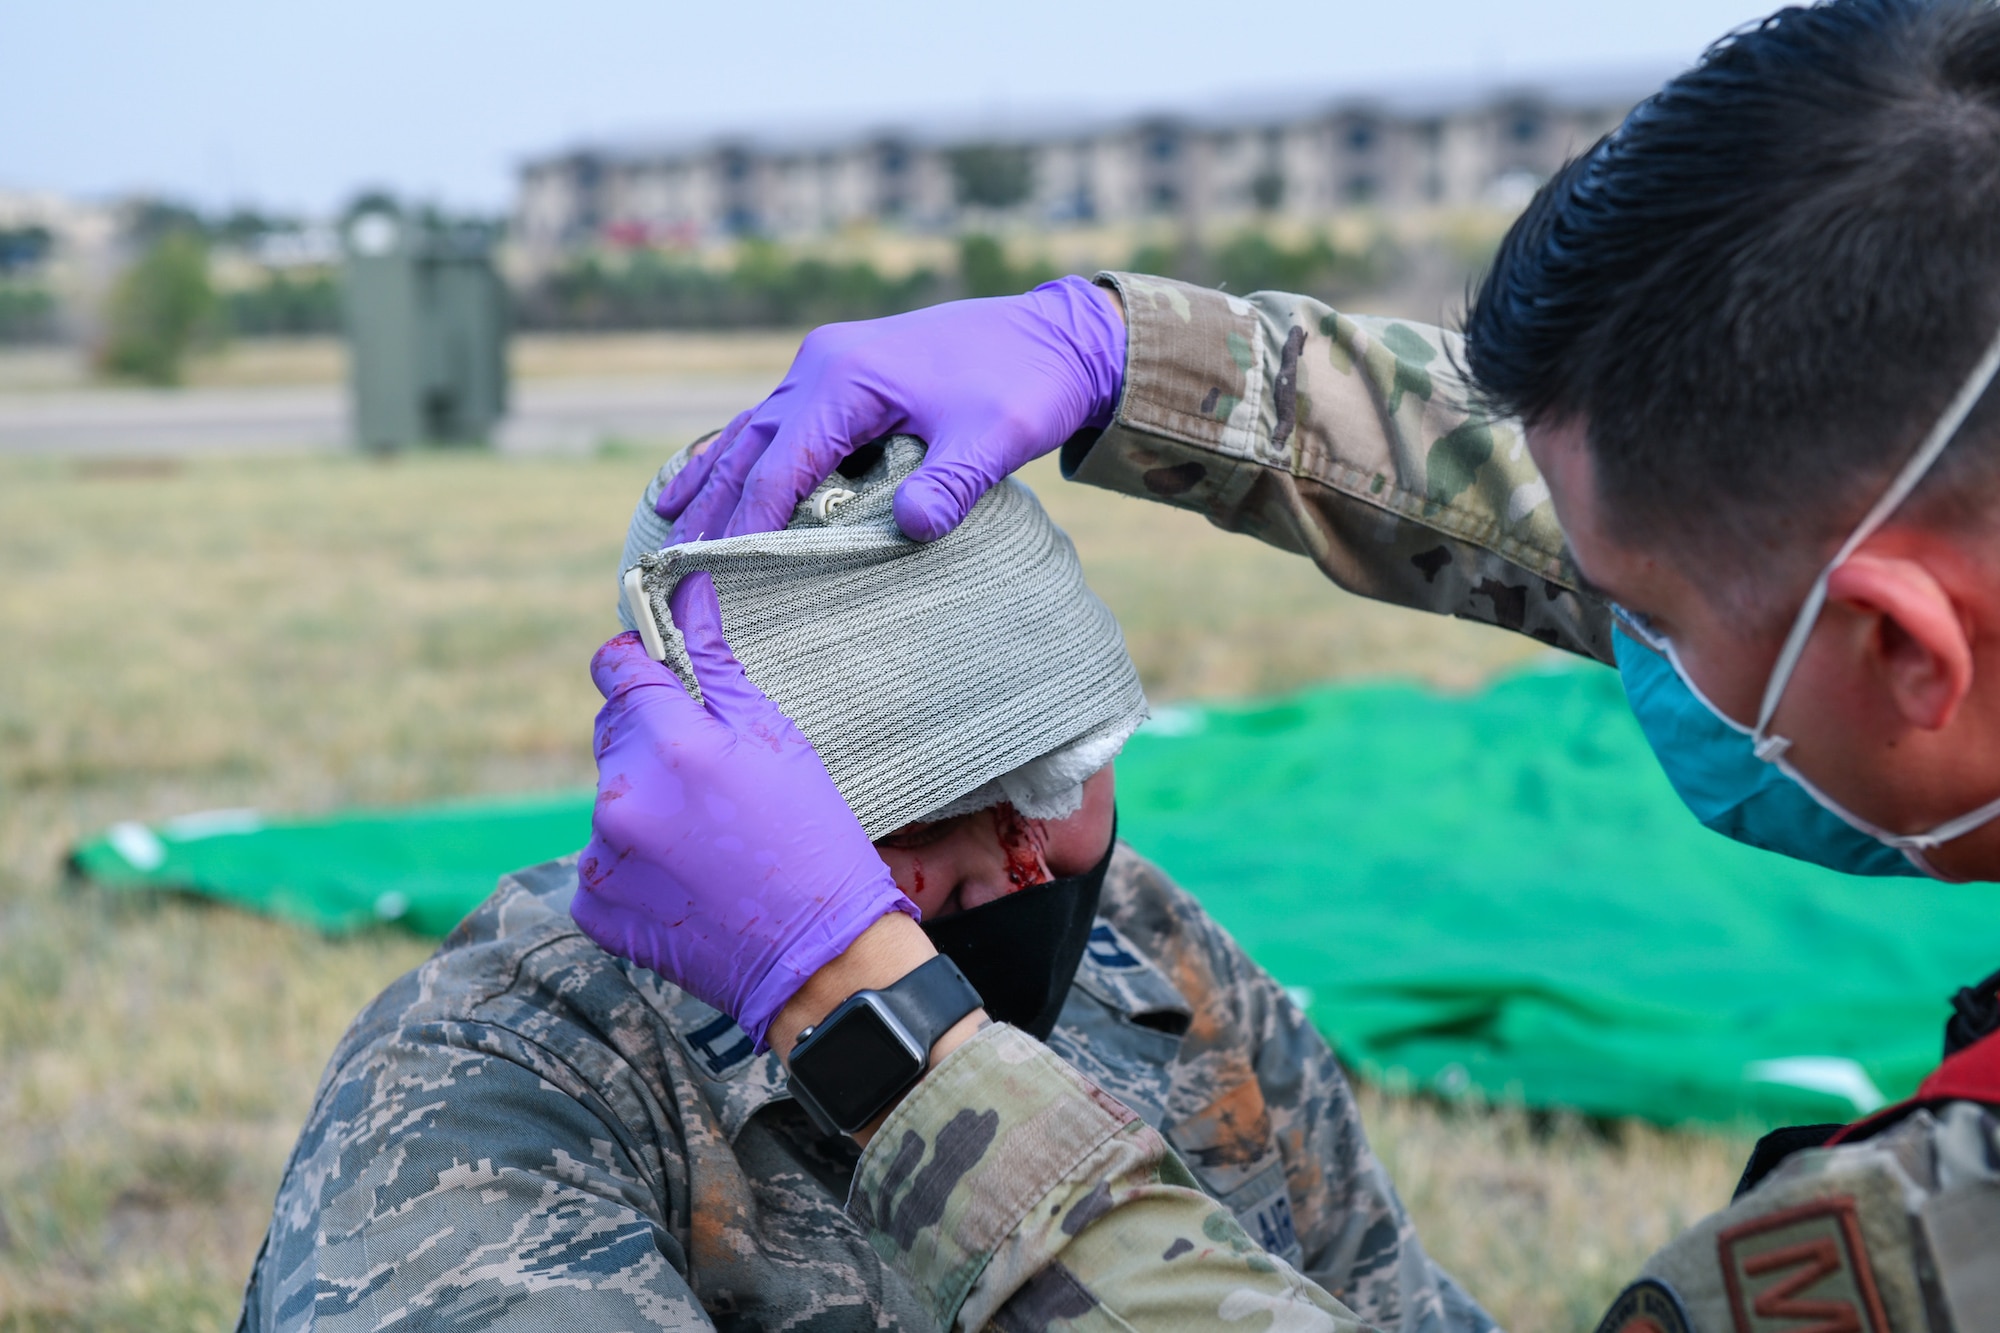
930	998
846	1068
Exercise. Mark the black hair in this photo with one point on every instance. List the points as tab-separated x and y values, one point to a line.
1757	293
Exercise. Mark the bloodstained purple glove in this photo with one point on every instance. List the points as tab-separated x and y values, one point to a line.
720	856
987	384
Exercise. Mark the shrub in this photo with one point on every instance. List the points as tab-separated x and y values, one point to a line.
160	310
984	270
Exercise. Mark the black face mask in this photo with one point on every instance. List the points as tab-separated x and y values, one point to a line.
1021	952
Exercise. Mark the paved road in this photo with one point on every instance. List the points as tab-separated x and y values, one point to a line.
548	415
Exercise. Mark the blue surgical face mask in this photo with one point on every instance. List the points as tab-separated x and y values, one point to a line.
1737	779
1709	760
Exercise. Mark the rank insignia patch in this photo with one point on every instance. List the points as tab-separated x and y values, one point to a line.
1802	1270
1106	951
1647	1306
712	1042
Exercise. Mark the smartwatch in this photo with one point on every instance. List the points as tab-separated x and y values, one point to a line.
864	1055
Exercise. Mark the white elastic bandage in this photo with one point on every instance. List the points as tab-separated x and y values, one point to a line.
933	678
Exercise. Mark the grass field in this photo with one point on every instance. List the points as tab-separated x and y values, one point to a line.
304	633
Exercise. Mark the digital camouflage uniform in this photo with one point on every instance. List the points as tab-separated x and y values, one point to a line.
1350	441
526	1132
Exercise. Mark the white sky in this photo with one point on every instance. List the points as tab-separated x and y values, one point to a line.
296	106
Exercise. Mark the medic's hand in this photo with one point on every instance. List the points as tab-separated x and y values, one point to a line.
720	855
987	384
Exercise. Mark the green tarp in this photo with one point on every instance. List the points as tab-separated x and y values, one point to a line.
1496	893
422	868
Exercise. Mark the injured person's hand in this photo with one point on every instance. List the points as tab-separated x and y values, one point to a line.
721	855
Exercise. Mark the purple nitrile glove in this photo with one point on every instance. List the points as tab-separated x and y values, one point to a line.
720	856
987	384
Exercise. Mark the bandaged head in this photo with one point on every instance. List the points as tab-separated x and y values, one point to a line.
933	678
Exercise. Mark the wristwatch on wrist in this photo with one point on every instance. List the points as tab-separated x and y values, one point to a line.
864	1055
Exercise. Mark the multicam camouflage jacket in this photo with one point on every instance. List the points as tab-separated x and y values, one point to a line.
526	1132
1349	441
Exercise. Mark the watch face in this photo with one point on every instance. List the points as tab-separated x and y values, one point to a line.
858	1060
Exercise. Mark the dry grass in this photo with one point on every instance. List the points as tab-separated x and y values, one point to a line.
303	633
1542	1218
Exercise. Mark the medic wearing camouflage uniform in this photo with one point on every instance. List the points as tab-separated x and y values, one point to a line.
1347	440
529	1133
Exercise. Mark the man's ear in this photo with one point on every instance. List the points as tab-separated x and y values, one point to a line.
1919	645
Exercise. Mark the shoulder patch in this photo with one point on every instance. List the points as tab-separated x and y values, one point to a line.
1799	1268
1647	1306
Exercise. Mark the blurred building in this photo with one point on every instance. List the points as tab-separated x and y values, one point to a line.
1304	158
58	256
69	224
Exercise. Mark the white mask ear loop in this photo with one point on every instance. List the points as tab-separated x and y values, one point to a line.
1769	747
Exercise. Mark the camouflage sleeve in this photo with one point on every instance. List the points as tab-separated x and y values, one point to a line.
447	1188
1345	439
1012	1192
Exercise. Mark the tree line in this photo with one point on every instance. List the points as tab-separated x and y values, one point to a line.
167	305
765	286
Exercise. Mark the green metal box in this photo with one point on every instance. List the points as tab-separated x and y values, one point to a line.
426	317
